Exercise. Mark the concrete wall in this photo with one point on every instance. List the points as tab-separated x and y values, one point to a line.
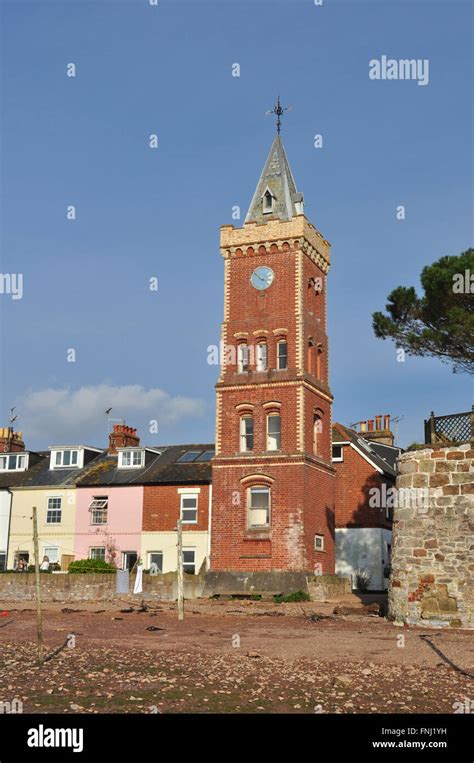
363	548
58	536
432	581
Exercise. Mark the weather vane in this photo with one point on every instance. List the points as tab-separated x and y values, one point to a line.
278	110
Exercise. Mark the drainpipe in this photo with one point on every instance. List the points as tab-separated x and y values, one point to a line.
209	527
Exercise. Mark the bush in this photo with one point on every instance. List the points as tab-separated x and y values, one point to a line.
289	597
91	565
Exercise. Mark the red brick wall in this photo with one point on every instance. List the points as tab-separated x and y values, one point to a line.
161	508
302	487
354	478
302	505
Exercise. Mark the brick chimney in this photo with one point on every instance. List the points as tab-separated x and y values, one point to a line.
381	433
123	436
10	441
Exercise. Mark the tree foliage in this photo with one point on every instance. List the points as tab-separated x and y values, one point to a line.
441	322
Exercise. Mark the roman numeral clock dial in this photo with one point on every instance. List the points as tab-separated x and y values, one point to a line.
262	277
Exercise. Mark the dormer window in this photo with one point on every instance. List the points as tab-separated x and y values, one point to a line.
132	458
66	457
13	462
267	202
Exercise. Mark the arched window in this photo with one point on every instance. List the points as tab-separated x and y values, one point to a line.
246	433
258	506
317	433
273	431
242	358
319	361
310	356
267	202
261	364
282	355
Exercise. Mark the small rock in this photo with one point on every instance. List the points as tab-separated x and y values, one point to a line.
342	680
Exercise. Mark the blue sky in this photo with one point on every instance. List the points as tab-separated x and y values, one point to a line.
143	213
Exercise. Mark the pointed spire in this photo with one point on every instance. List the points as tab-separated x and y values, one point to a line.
276	194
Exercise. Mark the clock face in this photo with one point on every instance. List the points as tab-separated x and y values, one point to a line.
262	277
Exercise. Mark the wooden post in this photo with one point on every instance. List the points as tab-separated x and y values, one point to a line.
39	614
179	527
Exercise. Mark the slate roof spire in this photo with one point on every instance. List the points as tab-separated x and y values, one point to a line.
276	194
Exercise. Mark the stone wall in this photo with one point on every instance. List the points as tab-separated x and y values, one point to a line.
20	586
432	579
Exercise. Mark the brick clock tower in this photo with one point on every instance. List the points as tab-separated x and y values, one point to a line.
273	481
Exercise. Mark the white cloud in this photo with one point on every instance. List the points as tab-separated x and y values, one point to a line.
62	415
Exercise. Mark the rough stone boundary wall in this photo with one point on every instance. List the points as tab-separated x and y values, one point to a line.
432	578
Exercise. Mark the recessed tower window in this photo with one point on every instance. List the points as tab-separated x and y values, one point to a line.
282	355
242	358
317	434
267	202
246	433
273	431
261	356
258	503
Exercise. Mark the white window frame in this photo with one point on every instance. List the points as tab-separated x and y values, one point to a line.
58	455
262	356
186	497
244	434
94	507
273	436
280	343
150	561
132	452
242	358
96	548
250	509
339	458
193	550
47	552
60	508
320	538
21	457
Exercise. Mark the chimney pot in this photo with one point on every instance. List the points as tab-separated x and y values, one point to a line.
370	425
10	441
123	436
378	422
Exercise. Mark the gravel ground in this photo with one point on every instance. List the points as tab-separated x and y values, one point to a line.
230	656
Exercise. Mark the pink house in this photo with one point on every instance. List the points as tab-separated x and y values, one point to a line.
109	524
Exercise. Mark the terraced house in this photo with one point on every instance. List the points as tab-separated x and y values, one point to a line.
130	499
44	479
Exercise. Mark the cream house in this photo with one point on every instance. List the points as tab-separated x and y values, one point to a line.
45	480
